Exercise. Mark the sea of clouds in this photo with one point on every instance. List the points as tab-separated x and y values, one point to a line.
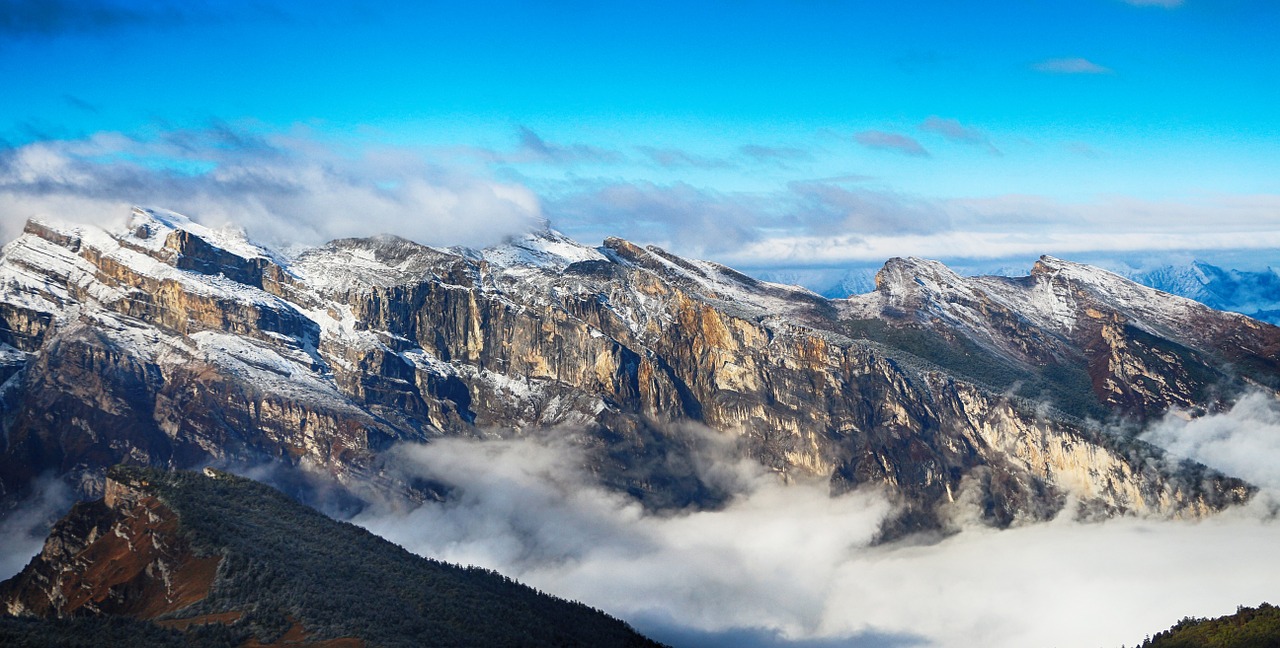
787	564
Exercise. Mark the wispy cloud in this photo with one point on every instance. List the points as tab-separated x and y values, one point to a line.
1084	150
284	189
721	225
953	130
1027	226
886	141
533	148
25	526
1070	66
1167	4
823	208
673	158
80	104
846	221
46	17
676	216
789	565
773	154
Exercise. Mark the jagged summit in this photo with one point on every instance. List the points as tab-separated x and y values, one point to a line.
157	226
163	347
543	248
917	280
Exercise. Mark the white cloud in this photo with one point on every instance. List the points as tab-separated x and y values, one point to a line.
283	189
789	563
677	216
886	141
1167	4
22	532
970	244
1243	441
1013	226
1070	66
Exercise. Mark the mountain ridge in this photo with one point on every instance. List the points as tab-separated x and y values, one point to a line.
187	550
1254	293
152	343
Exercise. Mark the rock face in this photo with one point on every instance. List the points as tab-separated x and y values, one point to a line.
121	555
170	344
1114	345
232	562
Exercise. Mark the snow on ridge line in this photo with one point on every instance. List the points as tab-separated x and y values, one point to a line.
550	250
1134	295
228	238
545	248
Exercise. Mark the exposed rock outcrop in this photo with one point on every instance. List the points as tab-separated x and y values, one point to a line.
122	555
184	344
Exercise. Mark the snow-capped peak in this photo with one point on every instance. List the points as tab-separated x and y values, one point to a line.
912	277
149	228
544	248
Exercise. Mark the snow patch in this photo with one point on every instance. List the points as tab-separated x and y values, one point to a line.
546	249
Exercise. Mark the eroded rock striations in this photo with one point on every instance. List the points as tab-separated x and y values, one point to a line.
120	555
167	343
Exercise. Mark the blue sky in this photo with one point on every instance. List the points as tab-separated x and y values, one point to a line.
810	132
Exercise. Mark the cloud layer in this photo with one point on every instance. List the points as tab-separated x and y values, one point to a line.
291	188
284	189
790	565
841	222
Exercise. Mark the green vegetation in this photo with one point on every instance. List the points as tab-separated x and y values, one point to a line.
1067	387
94	632
1247	628
959	355
283	561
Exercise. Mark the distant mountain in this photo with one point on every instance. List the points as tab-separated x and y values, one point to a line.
1252	293
216	559
1256	294
164	342
832	283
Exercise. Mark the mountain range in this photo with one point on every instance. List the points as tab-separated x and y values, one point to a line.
163	342
1255	293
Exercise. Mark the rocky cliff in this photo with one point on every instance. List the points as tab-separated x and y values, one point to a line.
167	343
120	555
